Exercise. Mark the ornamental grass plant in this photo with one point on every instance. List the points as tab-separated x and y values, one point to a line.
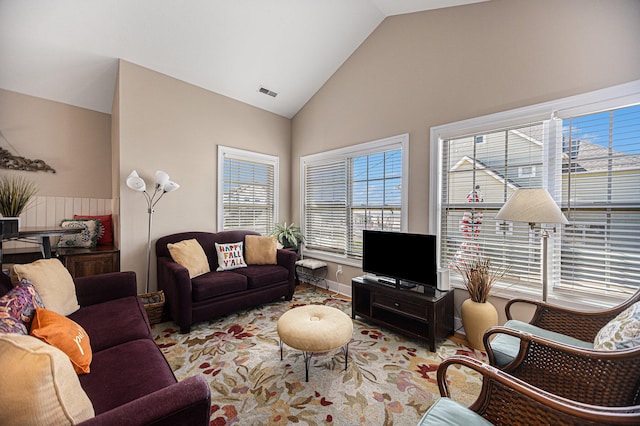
479	276
15	194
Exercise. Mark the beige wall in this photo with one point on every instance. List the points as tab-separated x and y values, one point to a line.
76	142
430	68
166	124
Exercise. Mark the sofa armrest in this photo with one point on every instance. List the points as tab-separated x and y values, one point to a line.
174	280
288	258
184	403
101	288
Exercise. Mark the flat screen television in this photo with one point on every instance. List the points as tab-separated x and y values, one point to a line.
399	258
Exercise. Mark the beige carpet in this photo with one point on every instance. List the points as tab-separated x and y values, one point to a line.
390	379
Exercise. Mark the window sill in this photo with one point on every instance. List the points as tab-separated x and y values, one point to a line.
573	300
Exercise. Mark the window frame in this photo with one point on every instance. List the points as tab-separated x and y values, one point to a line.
341	154
249	156
609	98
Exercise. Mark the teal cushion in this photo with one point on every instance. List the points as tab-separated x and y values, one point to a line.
445	411
505	347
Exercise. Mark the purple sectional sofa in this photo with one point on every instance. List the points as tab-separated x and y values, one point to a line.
215	294
130	380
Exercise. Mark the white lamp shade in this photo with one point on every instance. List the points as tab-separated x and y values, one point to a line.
170	186
533	205
161	179
135	182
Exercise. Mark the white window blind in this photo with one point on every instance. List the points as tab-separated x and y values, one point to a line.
601	180
247	188
589	162
351	189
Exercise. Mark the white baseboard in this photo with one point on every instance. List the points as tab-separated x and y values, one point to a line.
343	289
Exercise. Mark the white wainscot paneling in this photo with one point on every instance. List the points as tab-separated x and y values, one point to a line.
50	211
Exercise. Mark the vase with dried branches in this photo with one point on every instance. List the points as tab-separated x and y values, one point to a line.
478	314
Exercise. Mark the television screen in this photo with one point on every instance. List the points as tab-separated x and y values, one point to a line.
404	257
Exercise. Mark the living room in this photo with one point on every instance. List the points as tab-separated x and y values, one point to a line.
413	72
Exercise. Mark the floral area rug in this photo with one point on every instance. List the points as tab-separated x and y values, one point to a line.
390	379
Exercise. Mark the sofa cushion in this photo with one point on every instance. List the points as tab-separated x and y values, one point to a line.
39	385
189	253
18	307
260	250
230	256
125	372
622	332
53	282
111	323
263	275
506	347
446	411
216	284
66	335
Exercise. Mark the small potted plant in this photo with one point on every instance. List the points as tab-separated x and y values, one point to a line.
478	314
15	194
289	235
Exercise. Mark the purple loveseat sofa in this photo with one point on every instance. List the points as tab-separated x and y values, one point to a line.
130	380
215	294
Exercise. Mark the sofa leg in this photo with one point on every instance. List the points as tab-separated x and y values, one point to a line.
184	329
288	298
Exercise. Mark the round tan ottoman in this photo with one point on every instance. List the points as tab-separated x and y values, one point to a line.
315	328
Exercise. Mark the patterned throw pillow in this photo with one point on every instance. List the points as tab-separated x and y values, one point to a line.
622	332
87	238
230	256
105	236
18	307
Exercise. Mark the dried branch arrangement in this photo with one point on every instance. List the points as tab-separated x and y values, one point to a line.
479	277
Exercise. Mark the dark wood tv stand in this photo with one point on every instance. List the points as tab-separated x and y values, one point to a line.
421	312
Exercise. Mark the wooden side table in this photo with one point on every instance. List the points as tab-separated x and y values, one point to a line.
81	262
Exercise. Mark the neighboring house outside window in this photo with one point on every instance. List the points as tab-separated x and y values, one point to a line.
586	151
350	189
247	190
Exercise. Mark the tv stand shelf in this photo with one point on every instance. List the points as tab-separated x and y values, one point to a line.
421	312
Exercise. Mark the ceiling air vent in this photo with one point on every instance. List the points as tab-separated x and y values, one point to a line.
267	92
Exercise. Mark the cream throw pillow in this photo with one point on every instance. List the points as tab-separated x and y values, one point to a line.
54	284
39	385
259	250
189	253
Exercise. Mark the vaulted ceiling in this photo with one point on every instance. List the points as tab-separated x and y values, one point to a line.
68	50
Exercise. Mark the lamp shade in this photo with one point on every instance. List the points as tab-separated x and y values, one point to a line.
170	186
161	179
533	205
135	182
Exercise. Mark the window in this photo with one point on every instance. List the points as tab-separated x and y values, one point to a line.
585	151
247	190
350	189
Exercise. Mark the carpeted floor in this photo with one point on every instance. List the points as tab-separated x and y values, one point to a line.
390	379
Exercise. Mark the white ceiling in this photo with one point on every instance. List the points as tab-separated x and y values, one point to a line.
67	50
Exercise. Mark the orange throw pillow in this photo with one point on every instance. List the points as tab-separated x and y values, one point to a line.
66	335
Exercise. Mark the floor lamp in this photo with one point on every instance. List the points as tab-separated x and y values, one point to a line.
535	206
163	185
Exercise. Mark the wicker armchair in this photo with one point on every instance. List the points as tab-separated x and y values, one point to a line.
582	325
505	400
555	352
